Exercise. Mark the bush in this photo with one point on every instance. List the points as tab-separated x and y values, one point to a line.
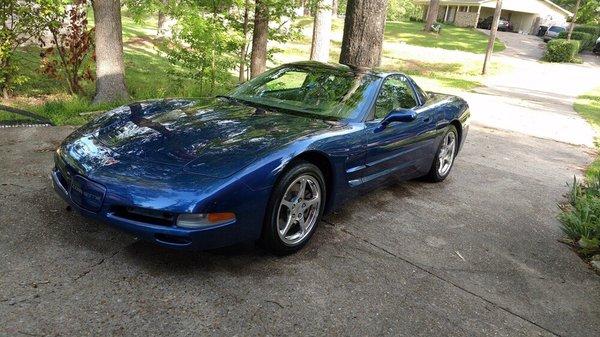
581	217
560	50
587	41
590	29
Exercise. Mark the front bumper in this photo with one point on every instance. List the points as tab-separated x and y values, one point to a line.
169	236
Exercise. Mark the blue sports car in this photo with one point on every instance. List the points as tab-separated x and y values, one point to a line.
264	162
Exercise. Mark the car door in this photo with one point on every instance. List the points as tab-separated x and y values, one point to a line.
399	148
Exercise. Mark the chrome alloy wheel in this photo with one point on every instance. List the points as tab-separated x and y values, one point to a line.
299	209
446	155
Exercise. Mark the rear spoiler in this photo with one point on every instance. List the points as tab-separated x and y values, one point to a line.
37	119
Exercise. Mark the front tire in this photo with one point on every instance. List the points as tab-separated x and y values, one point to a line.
444	157
294	210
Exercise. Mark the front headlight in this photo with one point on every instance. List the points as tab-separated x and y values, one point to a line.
204	219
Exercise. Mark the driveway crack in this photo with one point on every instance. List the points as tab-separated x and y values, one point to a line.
416	265
95	265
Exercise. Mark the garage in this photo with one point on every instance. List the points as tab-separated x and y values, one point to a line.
525	15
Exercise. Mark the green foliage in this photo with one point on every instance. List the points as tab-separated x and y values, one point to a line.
586	41
22	22
589	10
402	10
581	217
139	10
593	30
68	56
205	47
561	50
589	13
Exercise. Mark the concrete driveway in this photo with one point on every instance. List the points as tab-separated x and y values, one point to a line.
533	97
526	47
474	256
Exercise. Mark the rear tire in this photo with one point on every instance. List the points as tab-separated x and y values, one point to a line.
295	209
444	157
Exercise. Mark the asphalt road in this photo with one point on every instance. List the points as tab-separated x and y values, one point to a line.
476	255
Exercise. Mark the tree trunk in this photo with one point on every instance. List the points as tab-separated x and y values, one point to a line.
572	26
243	49
334	8
306	7
258	59
162	20
493	31
110	69
432	13
363	33
160	27
319	50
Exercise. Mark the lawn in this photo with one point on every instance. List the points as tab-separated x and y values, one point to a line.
588	106
451	38
150	75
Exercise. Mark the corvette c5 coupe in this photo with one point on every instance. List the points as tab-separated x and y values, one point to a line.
264	162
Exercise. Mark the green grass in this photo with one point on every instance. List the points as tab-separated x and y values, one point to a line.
149	75
588	106
451	37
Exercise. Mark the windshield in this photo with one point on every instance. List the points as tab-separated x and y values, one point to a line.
556	29
323	92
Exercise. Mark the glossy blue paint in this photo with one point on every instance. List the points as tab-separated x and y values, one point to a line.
168	157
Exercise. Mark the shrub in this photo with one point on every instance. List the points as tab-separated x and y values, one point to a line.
587	41
560	50
590	29
581	218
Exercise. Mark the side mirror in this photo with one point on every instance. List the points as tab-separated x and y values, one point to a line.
399	115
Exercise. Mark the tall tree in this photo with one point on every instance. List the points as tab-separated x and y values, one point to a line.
244	47
161	28
432	13
493	31
573	20
363	33
258	58
110	68
319	50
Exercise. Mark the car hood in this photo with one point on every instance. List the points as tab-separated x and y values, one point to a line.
214	138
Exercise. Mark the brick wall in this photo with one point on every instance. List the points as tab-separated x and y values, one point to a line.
466	19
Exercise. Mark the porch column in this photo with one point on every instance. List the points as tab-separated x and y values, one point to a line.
478	15
446	15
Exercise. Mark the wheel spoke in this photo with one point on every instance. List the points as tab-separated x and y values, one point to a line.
287	227
313	202
287	204
303	225
302	190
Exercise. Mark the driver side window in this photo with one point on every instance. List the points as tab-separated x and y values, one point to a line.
396	93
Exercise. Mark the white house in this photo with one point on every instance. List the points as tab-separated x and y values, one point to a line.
525	15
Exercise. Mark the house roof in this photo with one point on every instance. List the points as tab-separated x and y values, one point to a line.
480	2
